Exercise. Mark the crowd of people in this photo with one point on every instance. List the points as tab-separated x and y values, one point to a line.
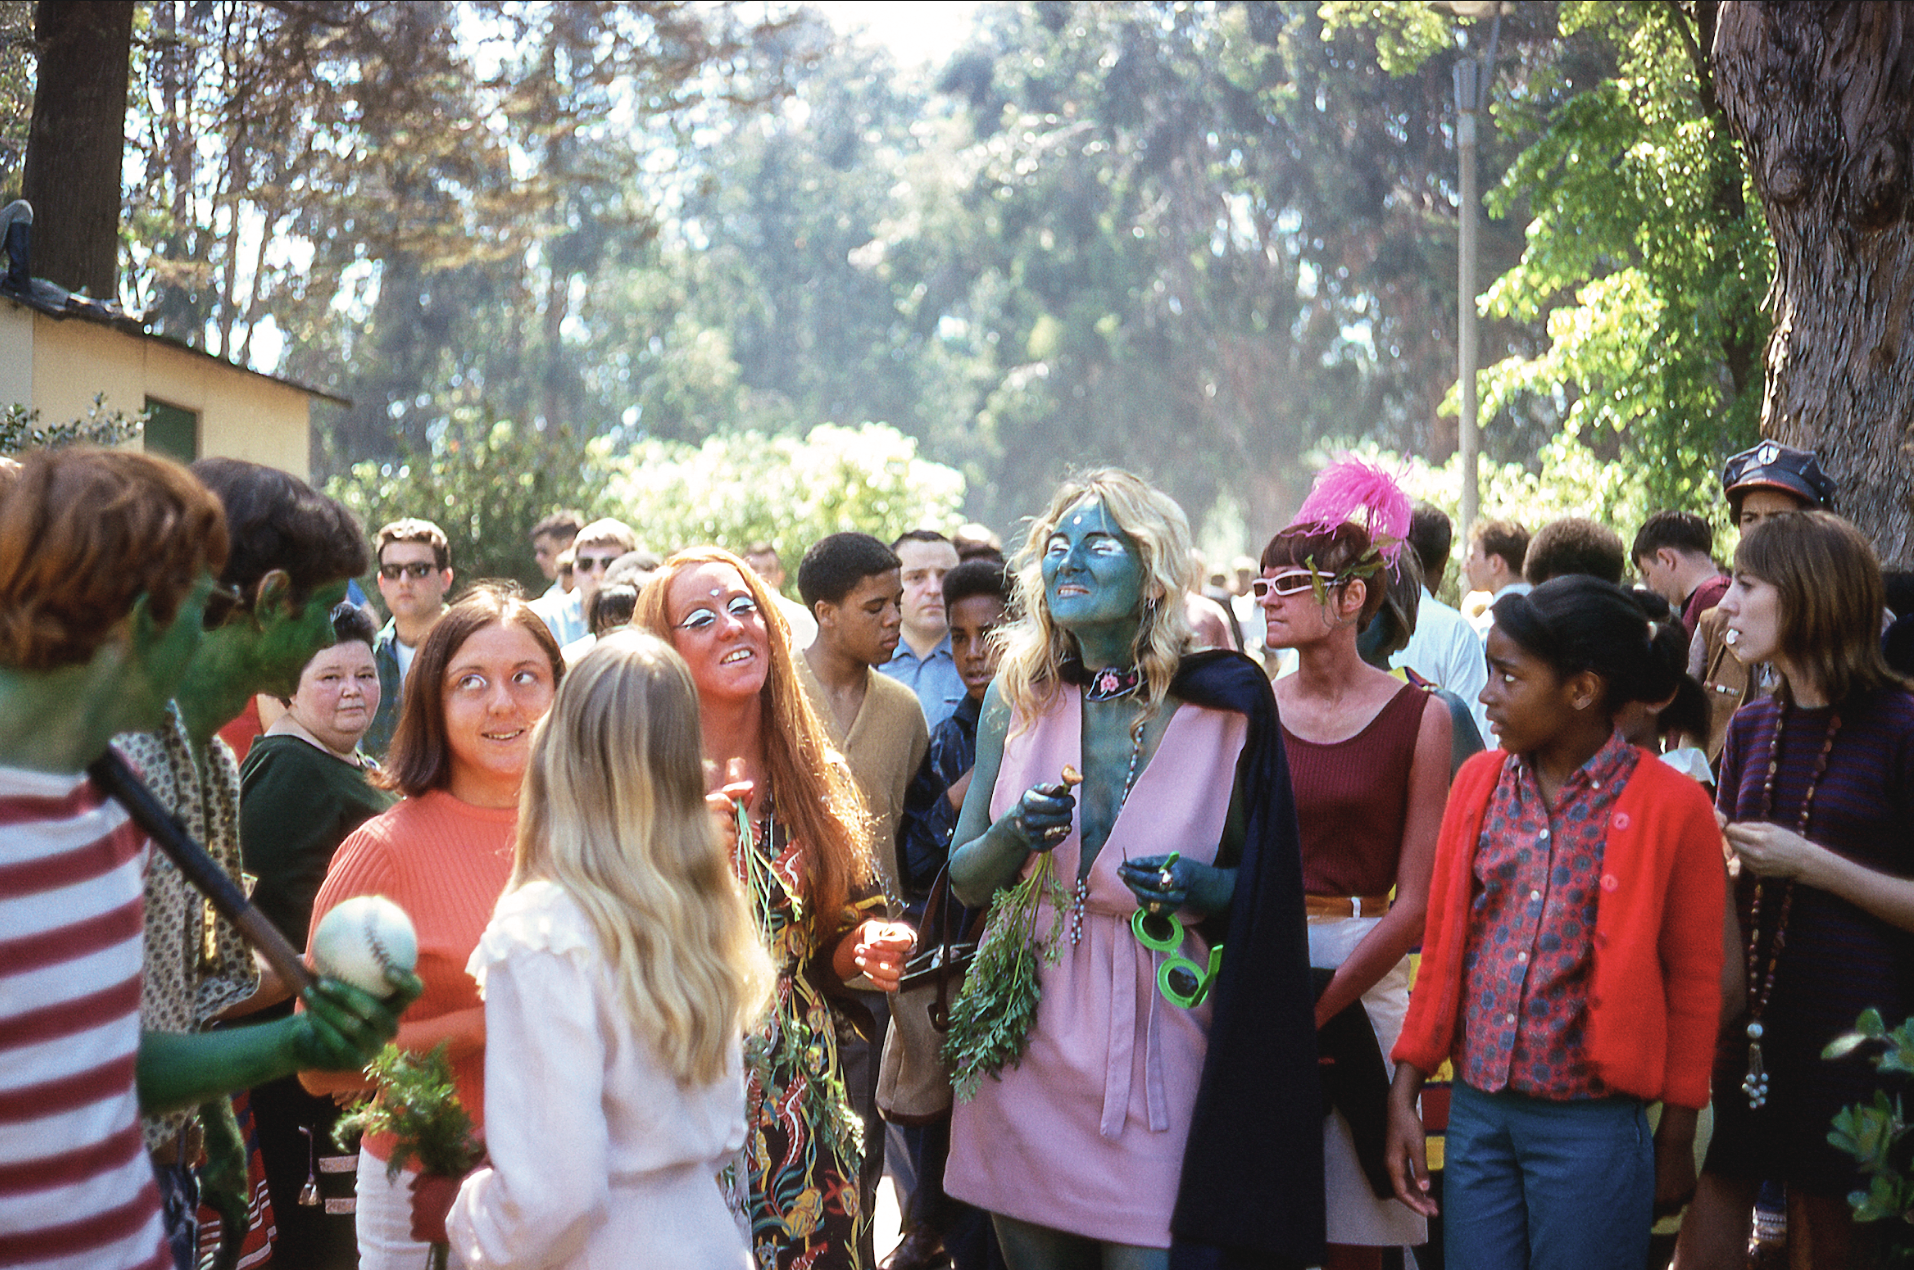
1322	922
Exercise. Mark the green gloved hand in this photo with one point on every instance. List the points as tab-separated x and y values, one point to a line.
342	1029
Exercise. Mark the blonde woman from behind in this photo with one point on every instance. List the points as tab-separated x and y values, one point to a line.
620	971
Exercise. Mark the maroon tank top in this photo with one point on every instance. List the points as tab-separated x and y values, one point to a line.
1352	799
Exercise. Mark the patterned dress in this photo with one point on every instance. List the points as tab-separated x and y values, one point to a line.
804	1142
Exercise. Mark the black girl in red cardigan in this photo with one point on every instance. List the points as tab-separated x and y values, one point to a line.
1571	958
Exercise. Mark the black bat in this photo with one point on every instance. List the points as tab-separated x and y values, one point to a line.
118	782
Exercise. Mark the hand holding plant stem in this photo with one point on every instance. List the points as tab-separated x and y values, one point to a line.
415	1101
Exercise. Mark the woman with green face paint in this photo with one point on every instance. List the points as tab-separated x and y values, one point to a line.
1132	1119
292	551
105	572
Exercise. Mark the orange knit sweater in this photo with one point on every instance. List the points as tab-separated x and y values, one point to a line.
444	862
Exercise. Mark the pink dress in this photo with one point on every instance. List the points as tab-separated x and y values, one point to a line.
1086	1135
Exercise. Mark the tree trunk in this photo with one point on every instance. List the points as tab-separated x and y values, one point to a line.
1822	96
76	141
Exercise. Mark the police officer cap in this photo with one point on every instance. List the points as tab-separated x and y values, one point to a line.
1772	465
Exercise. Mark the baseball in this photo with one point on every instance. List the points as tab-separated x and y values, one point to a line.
363	937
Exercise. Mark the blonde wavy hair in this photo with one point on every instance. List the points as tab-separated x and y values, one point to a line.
1035	648
613	811
810	784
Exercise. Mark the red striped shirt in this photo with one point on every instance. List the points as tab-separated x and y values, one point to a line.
76	1187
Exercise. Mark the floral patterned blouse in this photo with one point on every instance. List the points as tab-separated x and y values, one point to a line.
804	1143
1530	951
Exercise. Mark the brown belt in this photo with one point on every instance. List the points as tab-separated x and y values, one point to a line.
1345	905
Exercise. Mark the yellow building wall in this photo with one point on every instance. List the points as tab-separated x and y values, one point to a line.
16	356
241	415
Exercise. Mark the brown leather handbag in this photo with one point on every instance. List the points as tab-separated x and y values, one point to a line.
913	1081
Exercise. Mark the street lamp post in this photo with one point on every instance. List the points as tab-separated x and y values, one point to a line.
1467	100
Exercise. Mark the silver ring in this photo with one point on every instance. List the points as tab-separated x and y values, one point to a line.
1056	833
1165	881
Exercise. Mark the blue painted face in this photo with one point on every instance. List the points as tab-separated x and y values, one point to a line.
1092	570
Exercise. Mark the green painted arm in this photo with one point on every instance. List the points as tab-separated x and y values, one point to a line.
342	1029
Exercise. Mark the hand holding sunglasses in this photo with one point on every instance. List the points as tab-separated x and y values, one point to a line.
1163	884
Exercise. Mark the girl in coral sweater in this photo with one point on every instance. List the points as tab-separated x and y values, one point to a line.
481	681
1571	958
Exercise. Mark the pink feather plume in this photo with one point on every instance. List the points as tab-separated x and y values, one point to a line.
1350	489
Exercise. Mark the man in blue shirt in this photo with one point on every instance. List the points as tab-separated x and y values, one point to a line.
922	661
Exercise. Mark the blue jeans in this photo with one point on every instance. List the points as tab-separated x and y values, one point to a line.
1530	1184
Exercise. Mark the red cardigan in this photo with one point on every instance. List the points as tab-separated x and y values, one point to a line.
1655	995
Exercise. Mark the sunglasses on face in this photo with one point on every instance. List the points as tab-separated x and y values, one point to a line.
591	564
1292	582
418	569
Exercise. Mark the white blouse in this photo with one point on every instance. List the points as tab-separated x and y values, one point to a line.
599	1158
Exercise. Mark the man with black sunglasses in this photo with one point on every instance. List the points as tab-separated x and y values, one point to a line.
415	572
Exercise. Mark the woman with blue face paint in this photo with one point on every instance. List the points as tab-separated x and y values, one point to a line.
1145	1110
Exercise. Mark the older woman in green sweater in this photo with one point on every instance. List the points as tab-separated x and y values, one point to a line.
303	789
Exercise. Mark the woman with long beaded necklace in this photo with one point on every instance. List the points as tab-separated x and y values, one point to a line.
1817	793
1143	1107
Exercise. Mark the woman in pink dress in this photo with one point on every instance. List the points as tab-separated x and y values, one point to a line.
1133	1120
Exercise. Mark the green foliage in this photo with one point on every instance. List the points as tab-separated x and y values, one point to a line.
485	485
21	429
1647	243
739	488
415	1101
1877	1133
16	92
1406	35
991	1018
1645	255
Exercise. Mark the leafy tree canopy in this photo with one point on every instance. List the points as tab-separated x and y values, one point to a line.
1645	255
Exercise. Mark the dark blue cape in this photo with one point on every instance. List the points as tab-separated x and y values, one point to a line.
1251	1193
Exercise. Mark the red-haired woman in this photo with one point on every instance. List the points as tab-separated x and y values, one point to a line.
807	870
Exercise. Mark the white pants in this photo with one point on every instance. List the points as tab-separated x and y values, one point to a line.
1355	1215
384	1217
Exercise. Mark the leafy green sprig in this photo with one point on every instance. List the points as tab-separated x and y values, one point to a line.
416	1102
991	1019
1878	1135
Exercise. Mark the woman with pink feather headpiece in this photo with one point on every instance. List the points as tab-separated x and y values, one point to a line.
1369	763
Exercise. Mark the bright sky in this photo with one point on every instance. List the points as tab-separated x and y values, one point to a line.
915	33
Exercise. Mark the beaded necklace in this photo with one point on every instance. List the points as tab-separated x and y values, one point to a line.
1080	893
1755	1084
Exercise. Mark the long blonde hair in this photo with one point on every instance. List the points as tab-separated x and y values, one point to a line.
613	811
1035	648
810	784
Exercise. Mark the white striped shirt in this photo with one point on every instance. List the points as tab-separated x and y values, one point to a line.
76	1185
